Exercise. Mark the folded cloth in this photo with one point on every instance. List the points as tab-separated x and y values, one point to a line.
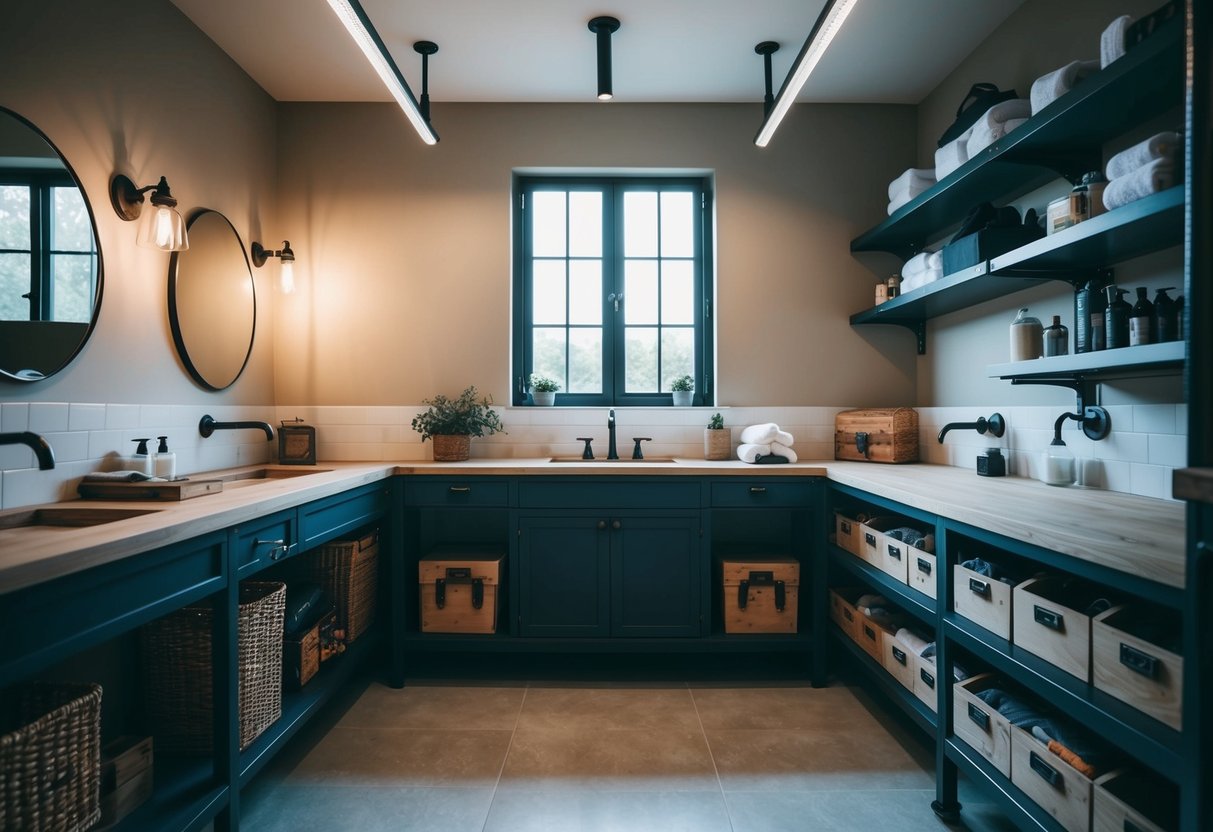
1048	88
761	434
750	451
917	539
120	476
1163	145
911	639
771	459
1112	41
780	449
952	155
1046	730
896	203
871	599
916	265
1147	179
1000	120
914	181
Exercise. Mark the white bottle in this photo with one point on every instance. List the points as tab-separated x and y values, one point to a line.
166	460
141	460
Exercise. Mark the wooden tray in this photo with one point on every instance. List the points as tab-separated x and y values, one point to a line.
165	491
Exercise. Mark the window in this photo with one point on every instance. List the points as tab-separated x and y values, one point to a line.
612	290
48	263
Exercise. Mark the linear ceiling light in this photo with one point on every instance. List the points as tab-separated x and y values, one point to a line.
363	32
828	23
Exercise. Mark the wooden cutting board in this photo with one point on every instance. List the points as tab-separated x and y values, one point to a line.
167	491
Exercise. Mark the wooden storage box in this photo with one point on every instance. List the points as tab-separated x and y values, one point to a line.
871	637
846	533
887	434
843	612
1127	800
982	728
1134	670
301	654
126	778
1052	783
899	659
924	683
459	591
888	554
921	572
1044	624
761	595
983	600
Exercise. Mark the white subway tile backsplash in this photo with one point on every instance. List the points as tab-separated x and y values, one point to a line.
1168	449
82	416
16	456
155	417
14	416
47	417
121	416
71	446
1150	480
1153	418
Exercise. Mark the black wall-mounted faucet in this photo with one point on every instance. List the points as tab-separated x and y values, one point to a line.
208	426
611	452
36	443
995	426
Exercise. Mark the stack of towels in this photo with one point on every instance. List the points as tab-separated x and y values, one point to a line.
909	185
1145	168
1053	85
993	124
766	443
1112	41
921	269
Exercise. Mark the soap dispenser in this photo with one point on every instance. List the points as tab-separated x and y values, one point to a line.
1116	317
141	461
166	460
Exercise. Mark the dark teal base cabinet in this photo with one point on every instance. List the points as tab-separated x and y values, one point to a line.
564	576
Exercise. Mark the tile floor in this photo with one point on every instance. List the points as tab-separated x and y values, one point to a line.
576	757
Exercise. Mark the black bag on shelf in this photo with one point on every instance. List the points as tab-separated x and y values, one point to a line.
981	97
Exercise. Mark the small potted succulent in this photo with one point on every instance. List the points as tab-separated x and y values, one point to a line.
717	442
452	423
543	390
683	389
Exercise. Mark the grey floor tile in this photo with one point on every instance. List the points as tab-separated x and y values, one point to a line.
399	757
905	811
436	707
597	811
784	707
609	709
574	758
367	809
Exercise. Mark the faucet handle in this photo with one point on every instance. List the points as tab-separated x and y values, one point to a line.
636	452
588	453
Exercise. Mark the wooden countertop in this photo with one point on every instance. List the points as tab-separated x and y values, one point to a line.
1138	535
1193	484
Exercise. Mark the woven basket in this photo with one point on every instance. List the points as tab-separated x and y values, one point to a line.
50	757
349	572
454	448
177	670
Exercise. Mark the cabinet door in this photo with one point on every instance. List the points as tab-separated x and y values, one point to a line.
655	576
564	575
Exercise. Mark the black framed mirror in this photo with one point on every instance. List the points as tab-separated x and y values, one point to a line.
50	257
212	304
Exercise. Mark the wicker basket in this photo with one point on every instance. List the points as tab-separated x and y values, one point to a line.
50	757
177	670
349	572
452	448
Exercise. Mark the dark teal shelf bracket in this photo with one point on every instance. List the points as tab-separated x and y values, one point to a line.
1083	387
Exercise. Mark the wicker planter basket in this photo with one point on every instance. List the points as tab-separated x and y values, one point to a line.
448	448
349	572
177	670
717	444
50	756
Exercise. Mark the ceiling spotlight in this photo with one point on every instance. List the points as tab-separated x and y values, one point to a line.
604	27
425	48
766	49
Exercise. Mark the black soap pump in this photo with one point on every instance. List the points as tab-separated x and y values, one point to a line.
1141	320
1166	316
1116	317
141	461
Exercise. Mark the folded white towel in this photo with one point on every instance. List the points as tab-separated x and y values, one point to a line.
935	261
900	200
1011	123
1147	179
914	181
1004	111
750	451
911	639
952	155
1164	145
915	265
987	131
1048	88
1112	41
760	434
780	449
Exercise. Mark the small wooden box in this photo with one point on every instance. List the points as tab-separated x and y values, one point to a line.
126	778
886	434
1125	799
1052	783
843	612
899	659
301	654
1134	670
924	683
459	591
871	637
887	554
846	534
982	727
922	572
753	590
1043	624
983	600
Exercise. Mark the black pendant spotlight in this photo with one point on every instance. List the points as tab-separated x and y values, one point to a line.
604	27
766	49
425	48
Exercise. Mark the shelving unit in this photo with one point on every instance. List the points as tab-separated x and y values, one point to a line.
907	599
187	796
1010	800
1123	362
922	716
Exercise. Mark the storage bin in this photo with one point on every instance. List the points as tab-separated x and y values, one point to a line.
177	670
459	590
349	572
1046	623
986	244
888	434
899	659
921	572
301	653
1126	800
1136	670
888	554
1049	781
871	637
983	728
983	600
924	683
761	594
846	533
50	756
126	778
843	612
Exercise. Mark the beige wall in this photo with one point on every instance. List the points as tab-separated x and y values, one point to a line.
134	87
404	250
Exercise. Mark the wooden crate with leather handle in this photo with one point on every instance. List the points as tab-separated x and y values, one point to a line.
882	434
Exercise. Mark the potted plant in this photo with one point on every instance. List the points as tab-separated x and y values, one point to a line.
452	423
717	442
683	389
543	390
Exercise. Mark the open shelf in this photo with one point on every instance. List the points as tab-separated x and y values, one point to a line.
922	716
1126	361
718	642
909	600
1150	741
1020	808
186	796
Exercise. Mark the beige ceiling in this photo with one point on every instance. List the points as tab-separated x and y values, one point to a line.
889	51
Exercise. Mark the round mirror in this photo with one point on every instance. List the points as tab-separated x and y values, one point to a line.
50	261
212	305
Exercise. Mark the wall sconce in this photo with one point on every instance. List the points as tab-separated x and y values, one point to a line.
286	277
163	226
604	27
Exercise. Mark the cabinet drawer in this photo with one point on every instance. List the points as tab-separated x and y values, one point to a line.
982	727
1045	623
323	520
456	492
259	543
983	600
548	493
1134	801
1054	785
1136	671
762	493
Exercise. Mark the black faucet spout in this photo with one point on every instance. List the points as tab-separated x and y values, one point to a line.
35	442
611	452
208	426
996	425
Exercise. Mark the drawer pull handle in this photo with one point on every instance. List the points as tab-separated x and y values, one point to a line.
1048	618
278	548
869	539
845	526
762	578
927	678
1138	661
924	566
1047	773
979	717
894	552
981	588
757	489
847	614
869	632
899	656
460	489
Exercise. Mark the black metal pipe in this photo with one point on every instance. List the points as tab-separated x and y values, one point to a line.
208	425
766	49
35	442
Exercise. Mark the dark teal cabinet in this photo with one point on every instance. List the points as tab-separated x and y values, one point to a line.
655	575
564	575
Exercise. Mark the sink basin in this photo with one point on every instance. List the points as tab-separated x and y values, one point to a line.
628	460
68	517
254	476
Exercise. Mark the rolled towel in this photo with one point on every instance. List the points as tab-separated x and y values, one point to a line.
1163	145
864	602
935	261
1147	179
986	132
1048	88
780	449
909	284
916	265
1112	41
761	434
750	451
912	640
952	155
896	204
913	182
